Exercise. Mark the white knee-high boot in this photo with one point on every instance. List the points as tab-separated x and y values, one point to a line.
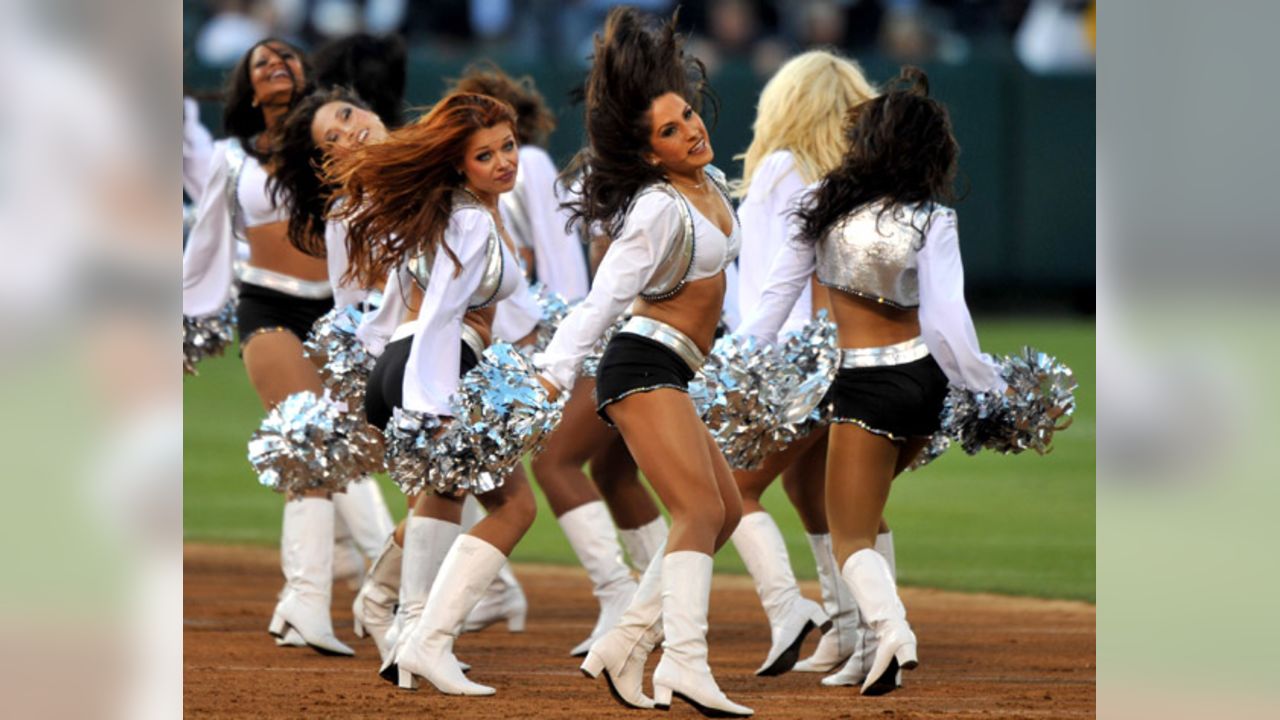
622	651
504	598
644	543
426	543
427	650
590	532
791	615
843	640
683	671
374	607
306	556
859	663
364	511
872	583
348	562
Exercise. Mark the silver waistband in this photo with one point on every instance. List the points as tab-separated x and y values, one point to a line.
473	340
287	284
899	354
678	342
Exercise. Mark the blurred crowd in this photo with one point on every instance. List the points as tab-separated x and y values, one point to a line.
1046	35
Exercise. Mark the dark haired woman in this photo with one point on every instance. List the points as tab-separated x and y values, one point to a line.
423	205
282	292
646	180
877	234
537	220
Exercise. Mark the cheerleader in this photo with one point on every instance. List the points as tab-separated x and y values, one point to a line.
538	224
646	180
282	292
798	138
878	236
423	203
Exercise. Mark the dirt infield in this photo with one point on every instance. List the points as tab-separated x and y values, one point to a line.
981	656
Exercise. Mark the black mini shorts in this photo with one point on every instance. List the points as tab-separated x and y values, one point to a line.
634	364
265	310
385	389
898	401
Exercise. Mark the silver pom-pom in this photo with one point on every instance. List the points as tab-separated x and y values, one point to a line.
554	309
937	445
207	336
736	396
308	443
343	362
591	364
810	360
1040	401
501	412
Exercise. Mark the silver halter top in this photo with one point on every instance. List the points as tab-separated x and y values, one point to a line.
669	277
491	281
874	256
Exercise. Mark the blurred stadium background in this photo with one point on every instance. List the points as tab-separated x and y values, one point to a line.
1019	79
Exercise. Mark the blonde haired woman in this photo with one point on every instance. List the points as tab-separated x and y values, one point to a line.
799	137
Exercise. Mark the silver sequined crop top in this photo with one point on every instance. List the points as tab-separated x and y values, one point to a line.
873	255
491	282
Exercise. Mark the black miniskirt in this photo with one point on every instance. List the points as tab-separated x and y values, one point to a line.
384	391
634	364
262	309
897	401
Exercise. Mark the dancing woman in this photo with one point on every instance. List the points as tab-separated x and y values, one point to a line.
645	179
282	292
799	137
423	203
557	260
878	236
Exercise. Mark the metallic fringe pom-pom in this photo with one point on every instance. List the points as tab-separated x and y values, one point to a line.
1040	402
308	443
937	445
207	336
810	360
343	362
501	412
737	398
592	362
554	309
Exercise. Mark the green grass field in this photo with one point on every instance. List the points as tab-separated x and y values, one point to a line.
1008	524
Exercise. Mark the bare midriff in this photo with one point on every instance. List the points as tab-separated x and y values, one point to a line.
269	249
862	322
694	311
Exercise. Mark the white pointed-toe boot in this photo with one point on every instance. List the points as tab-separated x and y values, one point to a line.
364	512
426	652
855	669
683	671
843	640
871	580
348	562
620	653
374	608
306	556
590	532
427	541
644	543
791	615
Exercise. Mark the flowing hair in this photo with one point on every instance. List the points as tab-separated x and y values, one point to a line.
635	61
397	194
240	117
803	109
297	178
901	151
534	120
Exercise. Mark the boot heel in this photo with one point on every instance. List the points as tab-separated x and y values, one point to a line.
277	626
592	665
906	656
358	628
407	681
515	622
661	697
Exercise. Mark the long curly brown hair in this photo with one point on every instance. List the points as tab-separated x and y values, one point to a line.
297	181
396	195
240	118
534	120
901	151
636	60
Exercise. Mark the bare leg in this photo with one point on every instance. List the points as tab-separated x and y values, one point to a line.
614	472
558	468
805	484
